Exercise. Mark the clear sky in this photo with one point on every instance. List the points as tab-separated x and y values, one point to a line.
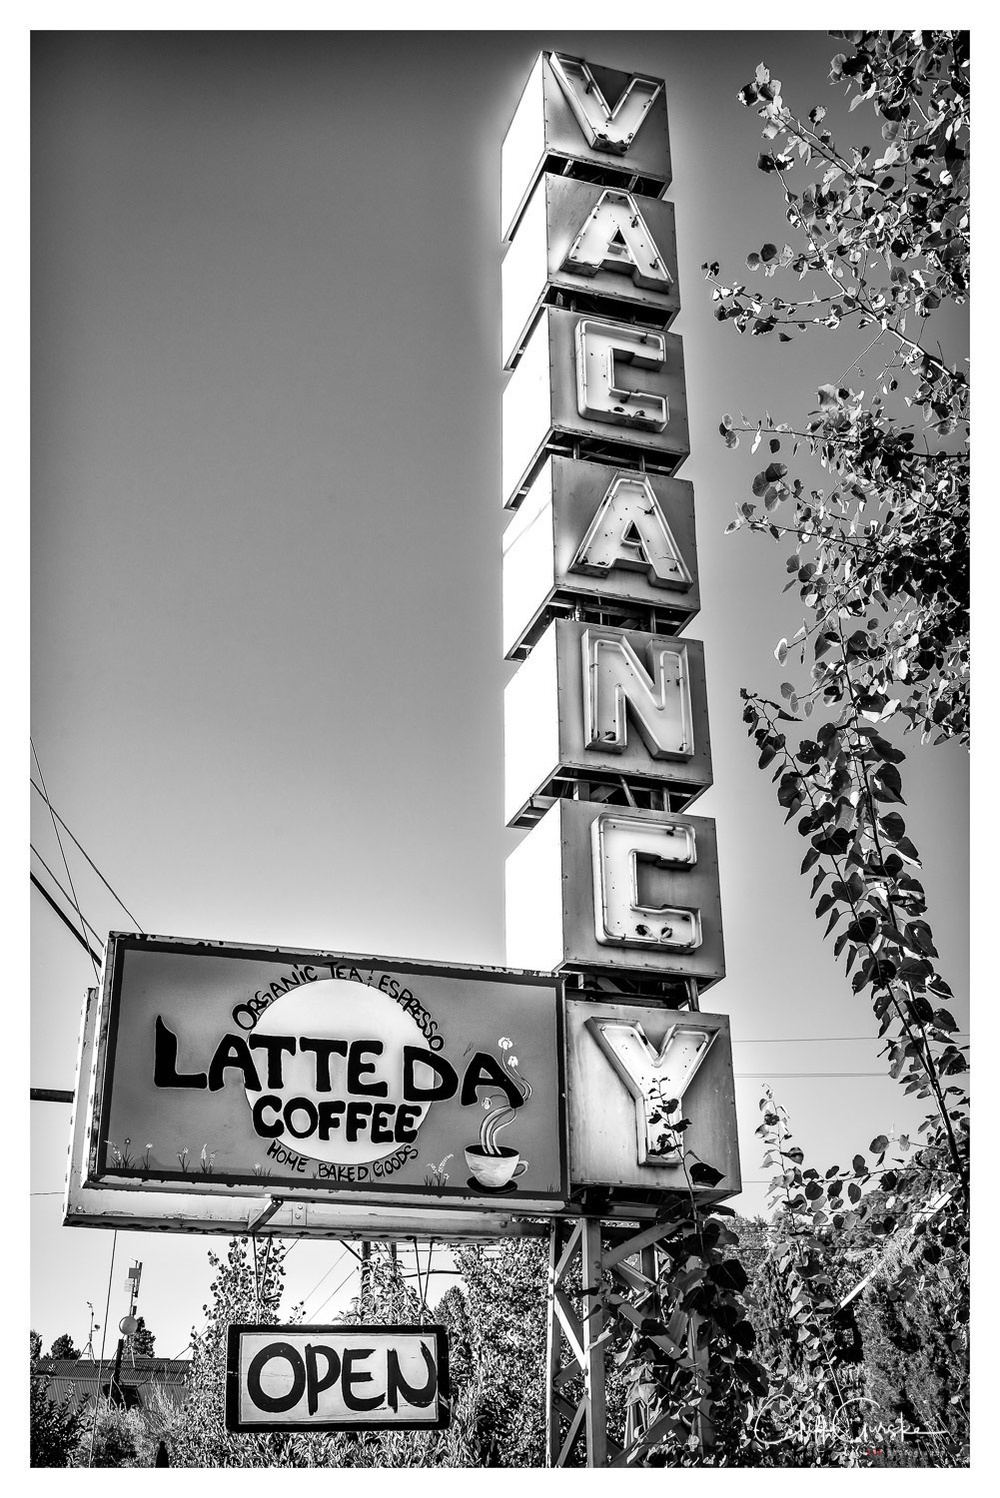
267	674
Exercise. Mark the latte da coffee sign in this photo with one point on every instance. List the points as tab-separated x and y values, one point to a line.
326	1076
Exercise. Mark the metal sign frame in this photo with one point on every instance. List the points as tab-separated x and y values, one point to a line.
243	1212
414	1198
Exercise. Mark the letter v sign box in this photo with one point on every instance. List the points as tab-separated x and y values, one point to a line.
577	118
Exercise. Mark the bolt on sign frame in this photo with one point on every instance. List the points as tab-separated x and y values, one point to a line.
613	885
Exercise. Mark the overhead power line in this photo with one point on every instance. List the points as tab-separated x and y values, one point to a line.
766	1071
808	1039
85	944
62	850
82	849
347	1276
338	1260
63	892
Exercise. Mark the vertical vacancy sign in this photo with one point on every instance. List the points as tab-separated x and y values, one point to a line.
614	885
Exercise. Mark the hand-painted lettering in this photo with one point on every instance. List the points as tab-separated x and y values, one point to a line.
165	1073
352	1375
344	1376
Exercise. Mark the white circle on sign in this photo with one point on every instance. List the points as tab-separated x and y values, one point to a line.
325	1088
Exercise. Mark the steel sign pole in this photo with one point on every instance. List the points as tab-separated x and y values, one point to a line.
575	1332
593	1327
590	1265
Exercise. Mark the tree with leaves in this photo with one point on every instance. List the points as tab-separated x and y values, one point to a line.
247	1287
842	1279
502	1317
386	1297
881	551
878	518
63	1347
883	246
143	1339
497	1409
54	1427
112	1436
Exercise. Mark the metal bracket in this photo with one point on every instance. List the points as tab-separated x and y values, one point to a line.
254	1224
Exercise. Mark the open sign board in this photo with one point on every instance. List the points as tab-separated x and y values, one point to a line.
337	1378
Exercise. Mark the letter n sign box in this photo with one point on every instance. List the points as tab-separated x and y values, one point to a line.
313	1378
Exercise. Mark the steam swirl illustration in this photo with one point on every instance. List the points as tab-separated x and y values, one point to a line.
498	1118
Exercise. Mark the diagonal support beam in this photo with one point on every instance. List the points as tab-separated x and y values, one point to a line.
578	1331
571	1249
628	1247
572	1327
571	1435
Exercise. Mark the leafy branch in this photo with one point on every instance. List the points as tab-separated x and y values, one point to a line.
842	780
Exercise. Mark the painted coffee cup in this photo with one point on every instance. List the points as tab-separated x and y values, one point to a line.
494	1170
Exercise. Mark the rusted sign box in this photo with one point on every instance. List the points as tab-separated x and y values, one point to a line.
580	119
552	730
557	900
542	577
547	407
539	264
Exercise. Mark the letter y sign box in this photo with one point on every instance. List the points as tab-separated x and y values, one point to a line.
634	1071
